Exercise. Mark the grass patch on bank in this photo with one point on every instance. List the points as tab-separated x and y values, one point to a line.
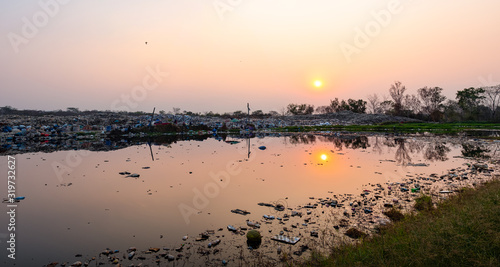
407	127
462	231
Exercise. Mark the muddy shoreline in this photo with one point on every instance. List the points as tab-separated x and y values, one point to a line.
319	224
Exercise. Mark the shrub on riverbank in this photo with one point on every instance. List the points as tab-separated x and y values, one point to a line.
462	231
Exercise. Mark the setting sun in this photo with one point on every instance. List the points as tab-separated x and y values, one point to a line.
318	83
324	157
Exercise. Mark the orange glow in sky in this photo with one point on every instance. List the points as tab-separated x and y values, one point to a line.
91	54
318	83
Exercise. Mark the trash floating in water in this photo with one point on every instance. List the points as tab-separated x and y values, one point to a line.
233	142
214	243
279	207
262	147
286	239
124	173
239	211
268	217
134	175
445	192
417	164
231	228
253	224
12	200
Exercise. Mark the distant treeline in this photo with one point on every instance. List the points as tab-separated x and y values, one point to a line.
470	104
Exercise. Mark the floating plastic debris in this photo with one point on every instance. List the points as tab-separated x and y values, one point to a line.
286	239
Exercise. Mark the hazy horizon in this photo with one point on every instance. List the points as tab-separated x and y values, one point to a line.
219	55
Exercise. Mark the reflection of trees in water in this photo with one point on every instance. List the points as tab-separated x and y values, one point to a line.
433	151
357	142
302	139
377	146
436	151
402	156
353	142
474	151
415	145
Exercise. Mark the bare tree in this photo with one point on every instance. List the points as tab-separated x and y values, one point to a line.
431	100
273	113
397	92
324	110
176	110
374	104
283	111
386	106
492	99
412	103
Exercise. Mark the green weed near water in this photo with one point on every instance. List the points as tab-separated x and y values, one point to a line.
462	231
408	127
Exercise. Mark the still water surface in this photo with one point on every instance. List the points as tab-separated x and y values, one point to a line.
78	203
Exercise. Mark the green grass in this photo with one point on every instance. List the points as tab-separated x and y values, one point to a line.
423	202
408	127
461	231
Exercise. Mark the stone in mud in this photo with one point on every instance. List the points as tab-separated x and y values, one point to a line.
253	236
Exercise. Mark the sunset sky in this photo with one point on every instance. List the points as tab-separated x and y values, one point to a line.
219	55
